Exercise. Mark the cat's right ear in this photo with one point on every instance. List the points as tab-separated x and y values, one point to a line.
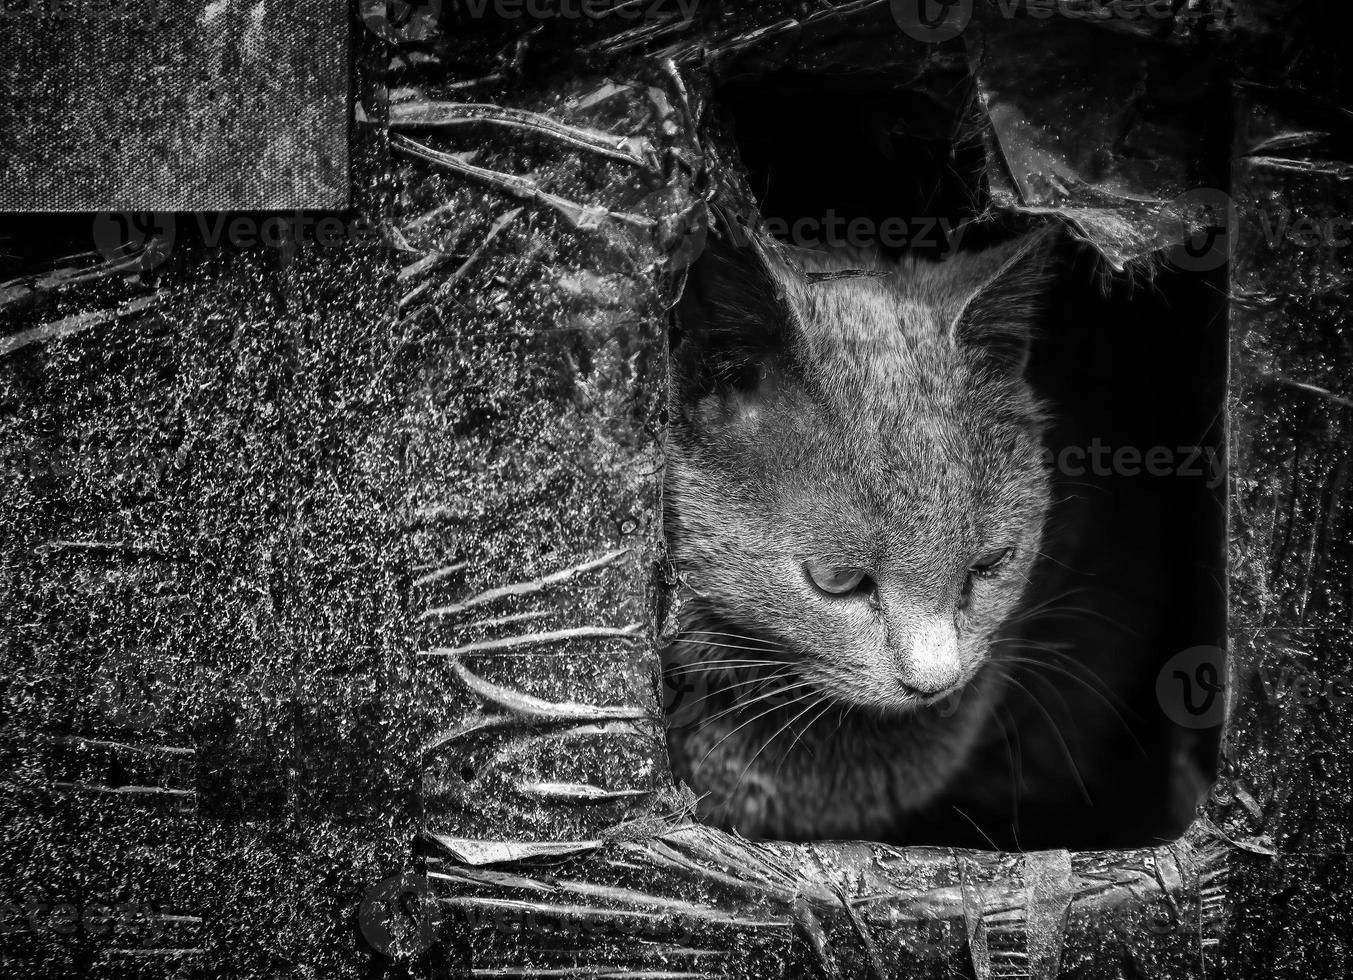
733	322
1001	303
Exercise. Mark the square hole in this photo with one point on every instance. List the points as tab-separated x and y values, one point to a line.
1076	748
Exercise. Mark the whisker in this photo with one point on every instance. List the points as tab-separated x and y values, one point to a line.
737	636
1031	676
1038	665
1057	561
993	707
749	721
681	667
1042	611
727	646
826	706
1018	760
985	835
1066	749
729	687
766	744
1104	692
742	704
1051	600
1064	666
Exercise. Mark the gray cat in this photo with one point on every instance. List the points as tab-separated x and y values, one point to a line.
854	499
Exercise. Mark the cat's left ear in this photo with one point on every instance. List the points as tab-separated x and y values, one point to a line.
1006	291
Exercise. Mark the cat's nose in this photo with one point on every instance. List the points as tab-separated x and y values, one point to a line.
931	663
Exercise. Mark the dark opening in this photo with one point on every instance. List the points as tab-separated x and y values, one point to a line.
1133	366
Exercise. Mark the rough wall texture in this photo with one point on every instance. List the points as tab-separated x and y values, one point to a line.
1287	740
309	547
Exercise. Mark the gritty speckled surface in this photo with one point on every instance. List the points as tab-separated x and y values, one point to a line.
1287	742
239	515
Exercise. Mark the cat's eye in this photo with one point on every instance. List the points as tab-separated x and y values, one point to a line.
988	562
837	579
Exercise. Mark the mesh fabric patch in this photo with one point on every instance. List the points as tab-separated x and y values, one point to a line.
173	105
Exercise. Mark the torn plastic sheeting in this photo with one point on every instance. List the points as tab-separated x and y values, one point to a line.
1149	912
1110	123
477	852
1104	129
859	909
1048	897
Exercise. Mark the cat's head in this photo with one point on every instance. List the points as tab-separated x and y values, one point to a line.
855	467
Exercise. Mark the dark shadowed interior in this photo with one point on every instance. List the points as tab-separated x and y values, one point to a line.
1085	755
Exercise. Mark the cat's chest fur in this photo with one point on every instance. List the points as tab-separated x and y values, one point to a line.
828	775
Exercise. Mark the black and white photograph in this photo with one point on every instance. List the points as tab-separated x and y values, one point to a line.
676	489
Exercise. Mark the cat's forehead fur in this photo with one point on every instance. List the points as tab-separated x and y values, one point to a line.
881	425
879	347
